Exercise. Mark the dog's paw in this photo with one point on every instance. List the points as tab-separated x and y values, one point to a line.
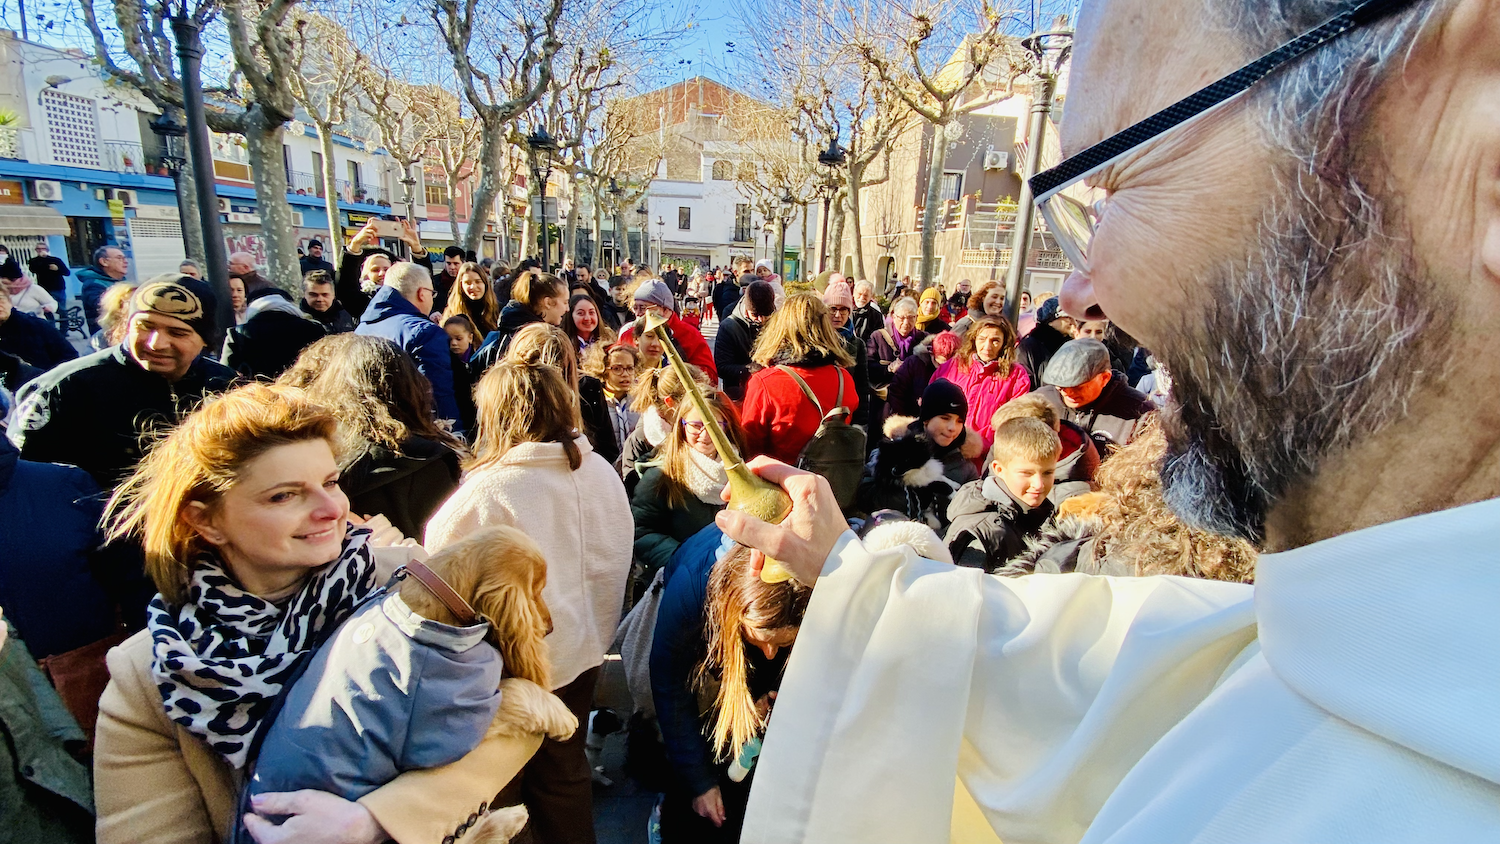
528	709
498	827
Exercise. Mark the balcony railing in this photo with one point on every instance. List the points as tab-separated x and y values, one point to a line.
122	156
10	142
304	184
369	194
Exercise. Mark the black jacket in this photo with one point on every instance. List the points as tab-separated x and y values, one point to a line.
989	526
268	343
596	423
347	290
860	372
34	340
904	396
732	347
92	412
513	318
335	320
310	264
1037	348
726	296
1110	419
866	321
406	488
49	272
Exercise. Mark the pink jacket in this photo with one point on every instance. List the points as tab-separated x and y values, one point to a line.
986	390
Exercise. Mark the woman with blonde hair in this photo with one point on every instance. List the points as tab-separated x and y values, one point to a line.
617	367
549	346
985	368
679	492
247	536
474	297
801	353
532	469
724	635
658	397
113	306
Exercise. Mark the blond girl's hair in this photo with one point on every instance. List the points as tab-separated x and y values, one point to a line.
799	330
524	403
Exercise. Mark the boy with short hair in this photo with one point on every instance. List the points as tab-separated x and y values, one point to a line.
991	519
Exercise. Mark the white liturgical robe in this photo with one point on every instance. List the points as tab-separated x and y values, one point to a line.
1352	695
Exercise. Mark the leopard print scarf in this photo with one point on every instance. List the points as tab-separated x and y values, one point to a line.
221	658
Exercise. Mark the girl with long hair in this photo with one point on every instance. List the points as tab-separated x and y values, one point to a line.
679	492
798	342
246	535
985	368
722	634
546	345
534	297
397	461
534	470
987	300
583	324
618	367
474	297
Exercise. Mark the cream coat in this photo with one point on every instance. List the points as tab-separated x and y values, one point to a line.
1352	695
582	522
156	783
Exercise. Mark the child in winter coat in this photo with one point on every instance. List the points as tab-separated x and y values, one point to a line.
923	461
991	519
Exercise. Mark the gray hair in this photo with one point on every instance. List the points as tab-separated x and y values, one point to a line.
1324	334
103	252
242	257
189	262
408	278
865	286
905	306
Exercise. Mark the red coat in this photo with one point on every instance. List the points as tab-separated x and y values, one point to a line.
694	348
779	418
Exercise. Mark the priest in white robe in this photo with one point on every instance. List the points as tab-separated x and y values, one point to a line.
1316	258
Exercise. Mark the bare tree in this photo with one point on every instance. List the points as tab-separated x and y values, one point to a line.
904	47
499	83
326	68
454	142
398	111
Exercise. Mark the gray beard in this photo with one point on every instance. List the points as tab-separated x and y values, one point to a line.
1307	348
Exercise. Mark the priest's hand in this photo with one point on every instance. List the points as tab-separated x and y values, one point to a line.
803	541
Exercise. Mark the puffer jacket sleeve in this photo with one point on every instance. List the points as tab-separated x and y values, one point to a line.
676	650
436	362
654	542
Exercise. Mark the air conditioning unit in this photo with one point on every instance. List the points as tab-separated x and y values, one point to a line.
996	160
224	206
126	197
47	190
297	219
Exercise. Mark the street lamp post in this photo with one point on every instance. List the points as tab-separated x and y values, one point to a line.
785	218
617	192
661	241
540	146
644	215
832	158
174	157
187	31
409	183
1051	49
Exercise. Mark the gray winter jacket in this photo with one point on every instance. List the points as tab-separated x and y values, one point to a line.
388	693
988	526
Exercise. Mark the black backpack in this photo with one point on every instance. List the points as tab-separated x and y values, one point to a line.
837	450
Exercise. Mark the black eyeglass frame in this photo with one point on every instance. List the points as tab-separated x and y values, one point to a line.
1048	183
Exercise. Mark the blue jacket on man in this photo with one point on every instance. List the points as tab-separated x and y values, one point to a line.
391	316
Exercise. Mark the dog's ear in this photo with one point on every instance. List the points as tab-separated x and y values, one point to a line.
520	625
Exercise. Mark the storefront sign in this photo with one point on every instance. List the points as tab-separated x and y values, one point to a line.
12	193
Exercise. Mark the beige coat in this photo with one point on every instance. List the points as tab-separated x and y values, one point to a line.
581	519
156	783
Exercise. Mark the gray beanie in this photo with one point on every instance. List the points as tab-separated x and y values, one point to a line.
656	292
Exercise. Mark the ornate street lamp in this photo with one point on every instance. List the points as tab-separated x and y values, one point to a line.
619	218
832	158
539	147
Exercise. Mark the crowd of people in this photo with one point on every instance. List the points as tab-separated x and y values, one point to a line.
236	500
349	569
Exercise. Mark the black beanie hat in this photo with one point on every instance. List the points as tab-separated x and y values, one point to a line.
943	396
180	297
